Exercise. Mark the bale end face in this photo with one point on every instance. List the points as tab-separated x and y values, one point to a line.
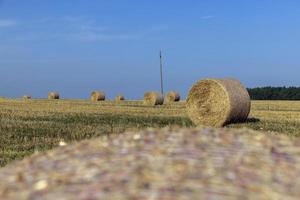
218	102
153	98
97	96
53	95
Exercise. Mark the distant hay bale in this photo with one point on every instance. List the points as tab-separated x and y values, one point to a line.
153	98
217	102
120	98
172	96
26	97
53	95
98	96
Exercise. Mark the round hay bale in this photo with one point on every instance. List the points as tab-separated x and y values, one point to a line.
53	95
153	98
98	96
25	97
120	98
217	102
172	96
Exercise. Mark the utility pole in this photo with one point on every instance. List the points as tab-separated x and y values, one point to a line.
161	74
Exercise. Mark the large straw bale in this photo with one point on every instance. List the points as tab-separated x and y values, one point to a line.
217	102
173	164
153	98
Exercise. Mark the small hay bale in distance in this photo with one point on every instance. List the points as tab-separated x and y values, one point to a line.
172	96
120	98
53	95
218	102
26	97
153	98
97	96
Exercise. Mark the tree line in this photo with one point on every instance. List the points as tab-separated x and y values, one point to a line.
274	93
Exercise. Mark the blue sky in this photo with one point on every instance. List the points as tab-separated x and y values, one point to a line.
76	46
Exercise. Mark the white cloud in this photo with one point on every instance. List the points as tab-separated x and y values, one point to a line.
7	23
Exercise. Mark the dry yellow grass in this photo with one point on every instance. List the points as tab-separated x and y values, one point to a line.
279	111
40	124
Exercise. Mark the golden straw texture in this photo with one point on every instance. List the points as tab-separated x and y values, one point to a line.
97	96
153	98
217	102
53	95
26	97
120	98
169	164
172	96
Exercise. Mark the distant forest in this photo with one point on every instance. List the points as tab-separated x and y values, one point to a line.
274	93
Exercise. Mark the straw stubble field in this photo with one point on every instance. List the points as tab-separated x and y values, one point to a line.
28	126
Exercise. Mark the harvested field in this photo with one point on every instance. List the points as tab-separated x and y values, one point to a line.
38	125
162	164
